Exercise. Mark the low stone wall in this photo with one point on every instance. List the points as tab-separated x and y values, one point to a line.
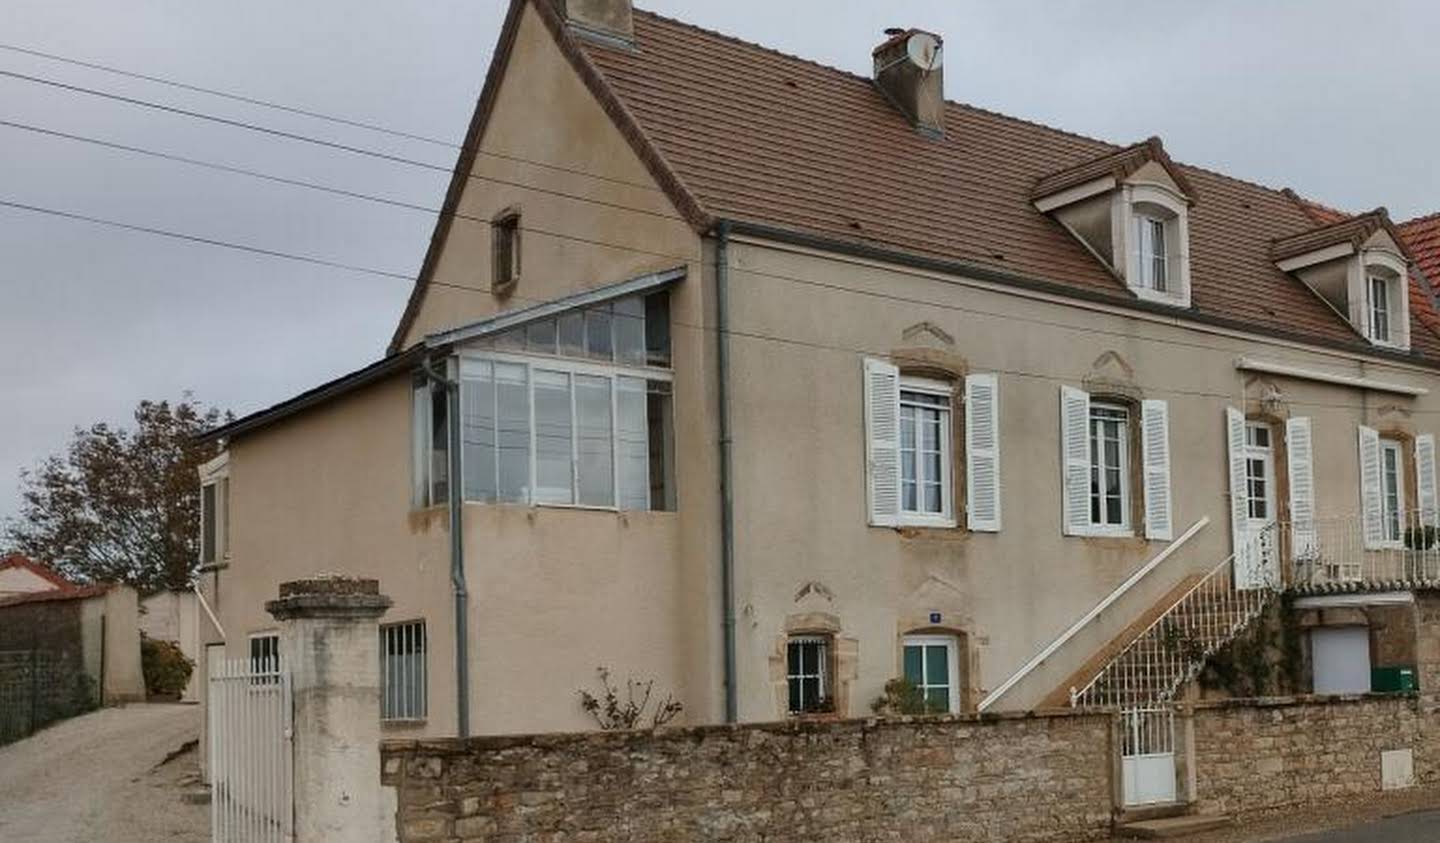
1259	754
1021	778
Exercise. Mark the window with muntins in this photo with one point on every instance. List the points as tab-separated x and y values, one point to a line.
1380	309
925	451
1392	490
930	664
403	671
573	410
1109	466
807	673
1259	471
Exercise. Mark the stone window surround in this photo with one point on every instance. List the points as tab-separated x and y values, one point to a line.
843	668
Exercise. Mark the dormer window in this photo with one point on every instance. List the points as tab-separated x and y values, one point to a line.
1360	268
1154	264
1130	209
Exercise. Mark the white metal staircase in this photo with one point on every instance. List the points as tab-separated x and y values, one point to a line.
1151	669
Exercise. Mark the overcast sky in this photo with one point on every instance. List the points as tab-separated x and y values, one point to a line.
1335	101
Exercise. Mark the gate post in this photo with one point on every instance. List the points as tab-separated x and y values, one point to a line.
329	638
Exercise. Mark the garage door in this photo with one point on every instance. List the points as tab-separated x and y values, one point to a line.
1341	656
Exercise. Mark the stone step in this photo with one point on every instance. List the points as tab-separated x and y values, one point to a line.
1165	828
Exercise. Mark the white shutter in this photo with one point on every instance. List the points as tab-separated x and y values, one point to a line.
882	441
1299	456
1425	478
1371	507
1155	450
1075	459
982	453
1245	573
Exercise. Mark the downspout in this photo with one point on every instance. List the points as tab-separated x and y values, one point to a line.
455	498
727	492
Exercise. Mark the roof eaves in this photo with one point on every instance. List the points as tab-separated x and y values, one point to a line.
514	318
981	272
327	391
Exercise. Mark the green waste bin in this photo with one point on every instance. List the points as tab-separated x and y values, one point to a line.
1392	679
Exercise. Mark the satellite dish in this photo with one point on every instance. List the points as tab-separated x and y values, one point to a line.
924	50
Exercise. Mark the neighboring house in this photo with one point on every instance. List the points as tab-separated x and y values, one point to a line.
777	382
78	629
19	575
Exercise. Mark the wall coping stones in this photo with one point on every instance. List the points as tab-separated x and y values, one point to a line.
329	596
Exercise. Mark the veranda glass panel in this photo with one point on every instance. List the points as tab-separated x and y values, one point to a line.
596	465
554	438
512	433
477	404
632	445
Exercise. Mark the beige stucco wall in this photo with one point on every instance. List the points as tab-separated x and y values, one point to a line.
800	467
175	616
557	592
554	592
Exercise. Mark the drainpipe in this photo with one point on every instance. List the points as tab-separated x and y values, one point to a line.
727	492
455	498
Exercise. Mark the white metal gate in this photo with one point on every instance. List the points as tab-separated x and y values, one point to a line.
250	752
1147	755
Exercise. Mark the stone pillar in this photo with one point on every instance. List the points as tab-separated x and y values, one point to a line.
329	638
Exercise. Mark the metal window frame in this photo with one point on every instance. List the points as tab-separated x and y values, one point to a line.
409	702
822	674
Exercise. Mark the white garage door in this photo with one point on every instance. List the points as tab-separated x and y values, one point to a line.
1341	656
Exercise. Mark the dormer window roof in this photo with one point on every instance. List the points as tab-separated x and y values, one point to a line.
1130	209
1360	267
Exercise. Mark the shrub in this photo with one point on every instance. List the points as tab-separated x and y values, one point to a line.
902	697
611	713
167	670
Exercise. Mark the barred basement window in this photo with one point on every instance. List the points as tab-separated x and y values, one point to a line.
265	658
402	671
807	674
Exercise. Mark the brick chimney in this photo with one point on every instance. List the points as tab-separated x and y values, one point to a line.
605	21
909	72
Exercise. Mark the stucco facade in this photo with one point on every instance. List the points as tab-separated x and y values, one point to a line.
556	592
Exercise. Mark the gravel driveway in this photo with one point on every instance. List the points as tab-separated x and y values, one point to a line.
95	777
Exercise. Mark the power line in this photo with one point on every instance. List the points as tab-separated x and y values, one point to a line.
328	144
758	336
214	92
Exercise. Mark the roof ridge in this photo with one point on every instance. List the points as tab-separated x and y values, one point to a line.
1433	216
1114	145
735	39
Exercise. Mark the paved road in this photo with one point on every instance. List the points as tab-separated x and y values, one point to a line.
1423	827
95	777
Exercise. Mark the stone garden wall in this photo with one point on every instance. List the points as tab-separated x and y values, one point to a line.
1024	778
1253	755
1048	777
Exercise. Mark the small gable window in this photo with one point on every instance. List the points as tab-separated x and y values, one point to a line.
505	249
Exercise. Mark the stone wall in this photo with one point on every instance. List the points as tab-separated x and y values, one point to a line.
1022	778
1254	755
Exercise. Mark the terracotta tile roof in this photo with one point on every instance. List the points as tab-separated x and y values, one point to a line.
1352	230
15	560
75	593
1422	237
1119	165
760	136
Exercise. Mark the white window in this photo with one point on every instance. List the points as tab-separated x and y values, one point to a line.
403	672
1380	314
925	452
931	664
431	440
214	523
807	673
264	658
1109	466
1392	491
1154	264
1259	472
569	411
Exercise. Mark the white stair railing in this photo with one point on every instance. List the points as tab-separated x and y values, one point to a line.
1173	648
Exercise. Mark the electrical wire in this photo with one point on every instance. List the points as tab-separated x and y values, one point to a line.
328	144
753	335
